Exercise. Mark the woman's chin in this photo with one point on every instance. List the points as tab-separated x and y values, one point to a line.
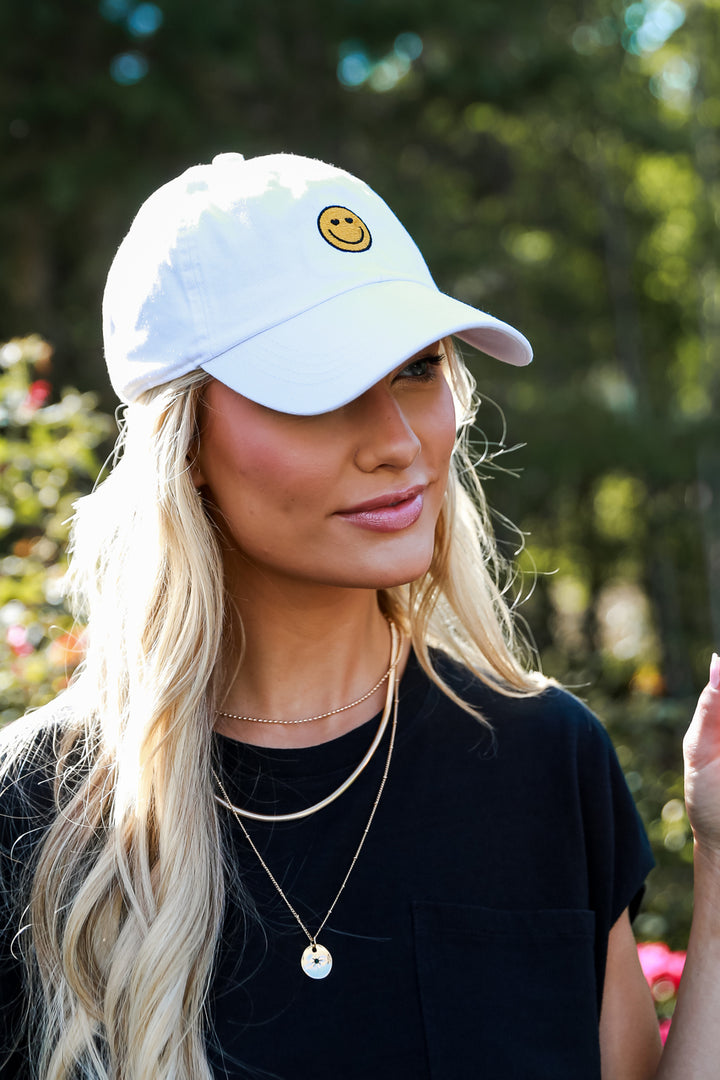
395	572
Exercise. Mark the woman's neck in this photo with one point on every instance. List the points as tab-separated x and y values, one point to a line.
307	652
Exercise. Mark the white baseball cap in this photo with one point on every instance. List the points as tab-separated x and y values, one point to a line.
287	279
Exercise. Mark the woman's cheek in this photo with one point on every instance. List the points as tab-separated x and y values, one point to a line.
444	428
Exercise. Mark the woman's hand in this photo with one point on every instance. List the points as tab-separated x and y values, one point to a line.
701	748
693	1046
628	1031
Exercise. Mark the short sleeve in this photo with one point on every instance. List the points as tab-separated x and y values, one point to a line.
618	852
620	857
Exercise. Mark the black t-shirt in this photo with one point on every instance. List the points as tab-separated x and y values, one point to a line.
471	936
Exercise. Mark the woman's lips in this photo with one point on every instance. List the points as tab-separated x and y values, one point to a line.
390	513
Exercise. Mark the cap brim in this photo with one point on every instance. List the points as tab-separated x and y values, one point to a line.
329	355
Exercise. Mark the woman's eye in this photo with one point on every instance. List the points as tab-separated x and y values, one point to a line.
423	369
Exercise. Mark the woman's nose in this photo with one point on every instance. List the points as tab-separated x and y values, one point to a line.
385	436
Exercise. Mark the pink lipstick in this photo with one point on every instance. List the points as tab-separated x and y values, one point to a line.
387	513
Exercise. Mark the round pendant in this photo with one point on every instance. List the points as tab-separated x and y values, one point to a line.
316	961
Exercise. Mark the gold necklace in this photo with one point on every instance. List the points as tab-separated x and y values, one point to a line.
316	960
295	815
309	719
320	716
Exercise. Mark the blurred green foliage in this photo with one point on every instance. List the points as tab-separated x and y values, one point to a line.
559	166
48	459
647	733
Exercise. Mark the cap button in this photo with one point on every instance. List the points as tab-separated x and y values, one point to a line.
228	159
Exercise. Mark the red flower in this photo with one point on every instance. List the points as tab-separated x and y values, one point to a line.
17	639
661	968
37	394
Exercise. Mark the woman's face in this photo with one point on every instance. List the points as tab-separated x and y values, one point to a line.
347	498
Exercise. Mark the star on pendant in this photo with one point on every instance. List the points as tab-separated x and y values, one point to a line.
316	961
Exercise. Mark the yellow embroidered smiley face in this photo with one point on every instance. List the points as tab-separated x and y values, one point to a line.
343	229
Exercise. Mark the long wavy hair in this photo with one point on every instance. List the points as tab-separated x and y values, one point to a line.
127	887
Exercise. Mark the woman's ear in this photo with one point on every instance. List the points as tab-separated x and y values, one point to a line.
193	455
196	474
193	459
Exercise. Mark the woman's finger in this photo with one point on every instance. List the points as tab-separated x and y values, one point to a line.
702	740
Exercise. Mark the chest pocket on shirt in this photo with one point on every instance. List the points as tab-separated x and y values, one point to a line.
507	995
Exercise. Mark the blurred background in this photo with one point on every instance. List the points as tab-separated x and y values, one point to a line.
557	164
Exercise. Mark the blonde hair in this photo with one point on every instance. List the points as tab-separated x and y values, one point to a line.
133	859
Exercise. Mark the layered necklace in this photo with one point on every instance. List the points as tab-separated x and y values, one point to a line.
316	960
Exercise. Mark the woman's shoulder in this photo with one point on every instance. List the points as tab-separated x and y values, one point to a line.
549	710
37	733
30	749
549	740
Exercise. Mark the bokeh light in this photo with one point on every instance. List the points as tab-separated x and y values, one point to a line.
144	20
650	24
115	10
408	46
128	68
355	67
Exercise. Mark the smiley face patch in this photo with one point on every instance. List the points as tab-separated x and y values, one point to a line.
343	229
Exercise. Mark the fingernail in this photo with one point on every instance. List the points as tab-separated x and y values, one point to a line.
715	671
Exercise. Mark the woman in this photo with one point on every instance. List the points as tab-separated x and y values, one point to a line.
304	812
